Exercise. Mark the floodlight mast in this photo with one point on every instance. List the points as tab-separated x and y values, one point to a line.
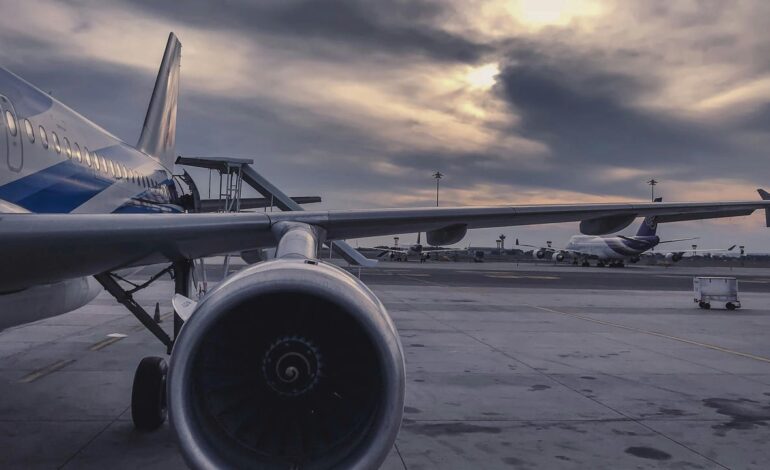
437	175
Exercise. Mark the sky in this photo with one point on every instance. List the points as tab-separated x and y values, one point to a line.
360	102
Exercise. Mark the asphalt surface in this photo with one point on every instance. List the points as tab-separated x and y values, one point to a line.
532	276
507	367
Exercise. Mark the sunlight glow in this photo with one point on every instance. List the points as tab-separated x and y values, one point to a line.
483	77
540	13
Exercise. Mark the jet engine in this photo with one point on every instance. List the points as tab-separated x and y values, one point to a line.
539	254
673	257
558	256
290	363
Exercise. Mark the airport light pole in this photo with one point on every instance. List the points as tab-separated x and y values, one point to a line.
438	175
652	184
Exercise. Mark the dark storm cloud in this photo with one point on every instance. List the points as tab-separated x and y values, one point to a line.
389	26
587	118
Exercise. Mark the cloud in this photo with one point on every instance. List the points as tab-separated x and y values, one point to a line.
358	27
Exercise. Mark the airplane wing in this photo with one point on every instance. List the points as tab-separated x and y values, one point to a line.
711	250
678	240
390	250
44	248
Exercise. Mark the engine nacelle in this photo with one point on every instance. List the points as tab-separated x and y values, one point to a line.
558	256
538	254
287	364
673	257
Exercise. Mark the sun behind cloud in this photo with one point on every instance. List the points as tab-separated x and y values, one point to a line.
541	13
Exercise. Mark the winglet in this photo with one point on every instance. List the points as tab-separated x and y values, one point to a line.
765	197
159	129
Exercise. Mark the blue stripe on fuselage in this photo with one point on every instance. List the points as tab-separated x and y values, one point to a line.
57	189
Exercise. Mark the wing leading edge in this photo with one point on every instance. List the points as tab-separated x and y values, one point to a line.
44	248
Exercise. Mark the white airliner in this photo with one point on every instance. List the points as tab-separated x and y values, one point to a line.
422	252
615	250
289	363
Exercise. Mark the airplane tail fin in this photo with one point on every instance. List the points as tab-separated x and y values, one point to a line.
649	225
765	197
159	130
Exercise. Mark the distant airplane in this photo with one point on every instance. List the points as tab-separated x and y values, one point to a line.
289	363
422	252
615	250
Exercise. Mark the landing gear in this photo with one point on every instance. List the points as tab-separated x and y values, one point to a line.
148	396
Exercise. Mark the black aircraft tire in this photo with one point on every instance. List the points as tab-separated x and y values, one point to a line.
148	396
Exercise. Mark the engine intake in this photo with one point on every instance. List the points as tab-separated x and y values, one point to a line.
287	364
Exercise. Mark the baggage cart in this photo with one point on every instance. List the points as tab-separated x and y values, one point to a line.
717	290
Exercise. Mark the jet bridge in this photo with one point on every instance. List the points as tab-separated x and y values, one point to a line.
230	172
246	173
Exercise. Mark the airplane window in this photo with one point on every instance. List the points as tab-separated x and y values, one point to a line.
87	155
112	168
30	130
55	139
11	122
125	172
67	148
77	153
43	137
96	161
104	165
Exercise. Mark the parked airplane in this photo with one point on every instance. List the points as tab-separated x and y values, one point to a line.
615	250
423	252
288	363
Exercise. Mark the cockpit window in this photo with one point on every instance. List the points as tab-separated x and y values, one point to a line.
11	122
55	139
30	130
43	137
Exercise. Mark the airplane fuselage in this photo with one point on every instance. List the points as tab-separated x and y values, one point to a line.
612	247
53	160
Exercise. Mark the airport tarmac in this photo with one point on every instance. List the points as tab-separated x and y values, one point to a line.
507	367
